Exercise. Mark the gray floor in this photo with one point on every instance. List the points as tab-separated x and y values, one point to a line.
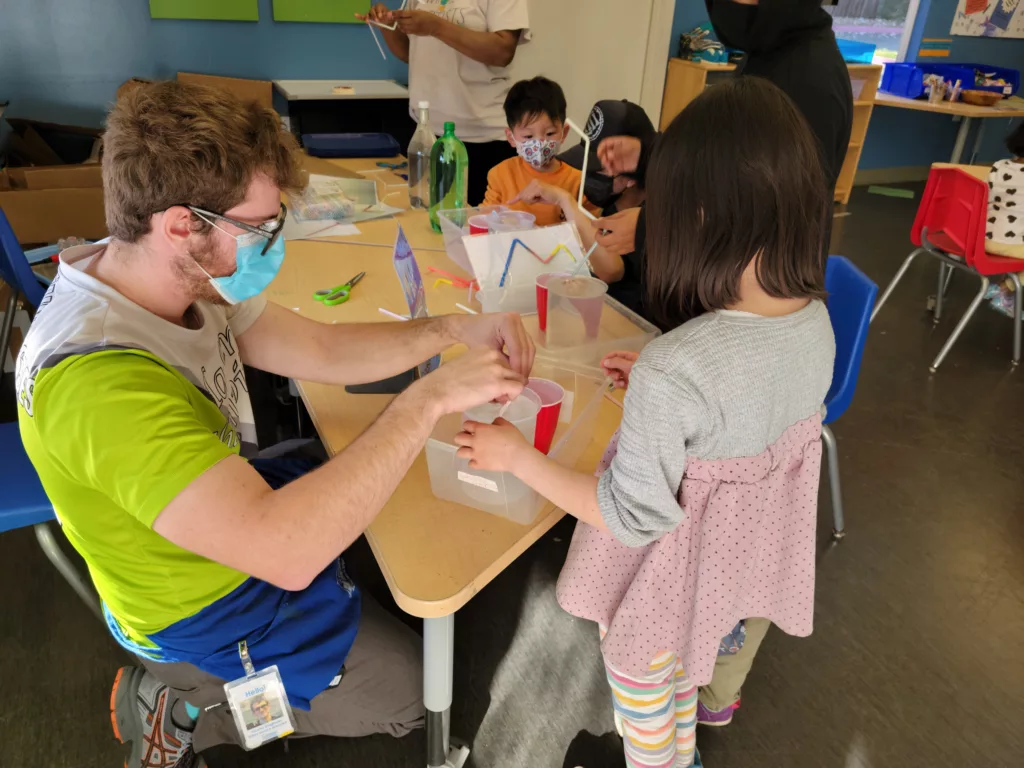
915	660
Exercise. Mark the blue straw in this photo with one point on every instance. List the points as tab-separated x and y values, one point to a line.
508	261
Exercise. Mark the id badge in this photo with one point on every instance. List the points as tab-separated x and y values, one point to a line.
259	704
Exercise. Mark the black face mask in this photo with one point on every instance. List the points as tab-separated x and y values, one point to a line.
600	190
733	23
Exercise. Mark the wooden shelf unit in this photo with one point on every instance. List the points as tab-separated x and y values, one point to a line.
686	80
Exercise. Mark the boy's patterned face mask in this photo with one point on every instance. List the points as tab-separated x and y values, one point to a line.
538	152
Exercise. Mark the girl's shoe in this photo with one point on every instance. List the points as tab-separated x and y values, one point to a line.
716	718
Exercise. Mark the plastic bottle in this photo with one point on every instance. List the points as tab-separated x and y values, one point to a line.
419	159
449	174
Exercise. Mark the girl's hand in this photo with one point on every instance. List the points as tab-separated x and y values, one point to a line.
418	23
493	447
618	366
539	192
379	13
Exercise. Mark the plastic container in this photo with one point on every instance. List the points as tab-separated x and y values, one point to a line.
522	412
900	79
419	159
455	225
550	395
542	297
965	73
351	145
501	493
575	306
621	330
855	52
449	174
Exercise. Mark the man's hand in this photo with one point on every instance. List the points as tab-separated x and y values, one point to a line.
501	332
496	447
477	377
618	366
379	13
617	233
539	192
418	23
618	154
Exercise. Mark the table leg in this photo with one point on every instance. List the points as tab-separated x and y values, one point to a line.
438	665
961	139
977	141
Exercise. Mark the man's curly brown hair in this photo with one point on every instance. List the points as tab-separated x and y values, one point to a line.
171	143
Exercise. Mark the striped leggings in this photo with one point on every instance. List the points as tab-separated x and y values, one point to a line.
657	714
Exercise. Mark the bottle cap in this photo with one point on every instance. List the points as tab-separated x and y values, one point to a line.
449	127
424	105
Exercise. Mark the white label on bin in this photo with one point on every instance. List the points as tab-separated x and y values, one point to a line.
479	482
565	415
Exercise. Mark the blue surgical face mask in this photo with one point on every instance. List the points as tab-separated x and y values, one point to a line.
254	270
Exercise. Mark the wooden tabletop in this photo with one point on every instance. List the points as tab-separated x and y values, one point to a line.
946	107
434	554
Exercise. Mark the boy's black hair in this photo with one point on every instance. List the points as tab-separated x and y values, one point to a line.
1015	141
529	99
737	177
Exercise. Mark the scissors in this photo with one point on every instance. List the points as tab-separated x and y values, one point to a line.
394	166
331	297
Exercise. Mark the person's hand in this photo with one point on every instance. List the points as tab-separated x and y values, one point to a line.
539	192
618	154
493	447
499	332
618	366
617	233
479	376
418	23
379	13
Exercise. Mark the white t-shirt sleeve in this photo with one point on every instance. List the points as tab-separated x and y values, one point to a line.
242	315
509	14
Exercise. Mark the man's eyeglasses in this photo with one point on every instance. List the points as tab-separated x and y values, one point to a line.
270	231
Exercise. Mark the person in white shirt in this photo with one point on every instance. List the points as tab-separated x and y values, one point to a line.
459	52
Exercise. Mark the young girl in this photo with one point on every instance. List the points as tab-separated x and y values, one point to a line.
705	514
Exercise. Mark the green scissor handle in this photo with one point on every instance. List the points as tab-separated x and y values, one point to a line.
332	297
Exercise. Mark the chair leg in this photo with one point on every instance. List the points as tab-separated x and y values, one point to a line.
60	561
940	293
832	457
960	326
5	330
899	276
1017	309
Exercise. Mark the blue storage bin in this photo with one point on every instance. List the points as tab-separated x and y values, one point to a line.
965	74
903	79
351	145
855	52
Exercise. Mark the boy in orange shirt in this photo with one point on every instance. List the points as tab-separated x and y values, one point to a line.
535	112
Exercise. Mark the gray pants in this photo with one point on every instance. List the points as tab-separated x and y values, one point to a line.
381	692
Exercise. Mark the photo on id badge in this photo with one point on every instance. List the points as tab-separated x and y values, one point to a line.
260	708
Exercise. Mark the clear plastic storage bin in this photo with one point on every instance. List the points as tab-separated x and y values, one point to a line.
455	225
501	493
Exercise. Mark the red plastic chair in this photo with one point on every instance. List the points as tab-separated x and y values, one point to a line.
950	226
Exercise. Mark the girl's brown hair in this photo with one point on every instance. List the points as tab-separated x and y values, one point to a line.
737	175
173	143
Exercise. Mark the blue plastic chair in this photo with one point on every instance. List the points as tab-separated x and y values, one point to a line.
851	296
23	501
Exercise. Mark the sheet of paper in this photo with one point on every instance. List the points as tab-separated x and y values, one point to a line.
489	253
304	230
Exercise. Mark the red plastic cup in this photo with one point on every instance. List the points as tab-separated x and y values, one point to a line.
478	225
551	395
542	297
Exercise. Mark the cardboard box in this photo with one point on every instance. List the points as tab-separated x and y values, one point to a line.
260	91
47	203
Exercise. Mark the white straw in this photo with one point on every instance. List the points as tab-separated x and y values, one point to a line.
379	46
466	309
391	314
585	261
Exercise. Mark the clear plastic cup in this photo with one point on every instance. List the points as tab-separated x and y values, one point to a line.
522	412
542	297
575	305
551	395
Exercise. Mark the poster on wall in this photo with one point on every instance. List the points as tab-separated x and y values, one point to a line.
988	18
209	10
333	11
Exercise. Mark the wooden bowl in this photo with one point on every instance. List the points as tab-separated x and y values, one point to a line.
980	98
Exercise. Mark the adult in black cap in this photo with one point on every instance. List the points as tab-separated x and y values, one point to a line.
622	269
790	43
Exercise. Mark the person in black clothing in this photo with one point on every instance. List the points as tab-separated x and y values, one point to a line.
622	271
790	43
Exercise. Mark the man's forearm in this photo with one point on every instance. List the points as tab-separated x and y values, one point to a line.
572	491
496	49
313	519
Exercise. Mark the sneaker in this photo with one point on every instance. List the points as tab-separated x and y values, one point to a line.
140	713
712	717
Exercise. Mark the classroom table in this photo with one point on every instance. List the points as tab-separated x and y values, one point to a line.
967	113
435	555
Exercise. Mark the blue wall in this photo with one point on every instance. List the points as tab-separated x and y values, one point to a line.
62	61
899	137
